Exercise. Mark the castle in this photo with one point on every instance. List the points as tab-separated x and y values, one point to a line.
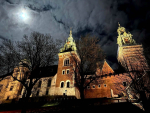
61	79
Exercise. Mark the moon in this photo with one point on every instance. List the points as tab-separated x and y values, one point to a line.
24	14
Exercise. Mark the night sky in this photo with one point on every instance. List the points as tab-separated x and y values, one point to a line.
97	17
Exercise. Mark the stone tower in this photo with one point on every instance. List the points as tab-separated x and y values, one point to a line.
68	59
130	54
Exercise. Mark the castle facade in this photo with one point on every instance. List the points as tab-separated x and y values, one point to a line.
107	83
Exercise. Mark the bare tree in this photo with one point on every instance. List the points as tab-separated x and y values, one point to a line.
37	50
8	58
138	72
90	53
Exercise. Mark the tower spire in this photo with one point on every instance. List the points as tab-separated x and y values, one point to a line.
70	32
70	44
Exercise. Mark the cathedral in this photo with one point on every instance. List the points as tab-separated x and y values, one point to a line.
60	79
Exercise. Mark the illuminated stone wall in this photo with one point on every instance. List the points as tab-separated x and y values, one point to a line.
12	88
4	87
42	88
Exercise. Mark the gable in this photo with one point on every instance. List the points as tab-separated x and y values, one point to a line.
106	69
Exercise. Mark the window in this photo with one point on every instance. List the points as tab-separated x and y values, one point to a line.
62	84
11	88
63	72
1	86
7	98
66	62
37	93
104	85
47	92
49	83
93	86
99	86
40	82
68	84
124	84
67	71
27	83
7	85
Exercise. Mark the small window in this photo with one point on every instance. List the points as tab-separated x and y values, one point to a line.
99	86
105	85
67	71
49	83
7	85
27	83
94	86
11	88
68	84
63	72
124	84
62	84
40	82
1	86
37	93
8	98
47	92
66	62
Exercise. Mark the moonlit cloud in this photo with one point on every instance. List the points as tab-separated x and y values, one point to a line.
56	17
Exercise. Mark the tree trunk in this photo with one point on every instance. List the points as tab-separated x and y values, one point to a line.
82	93
25	101
82	87
144	101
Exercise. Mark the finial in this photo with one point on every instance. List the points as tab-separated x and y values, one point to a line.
118	24
70	32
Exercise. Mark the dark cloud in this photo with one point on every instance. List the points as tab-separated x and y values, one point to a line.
2	38
97	17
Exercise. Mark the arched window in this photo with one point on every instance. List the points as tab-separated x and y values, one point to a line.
68	84
47	91
37	93
11	88
49	83
66	62
62	85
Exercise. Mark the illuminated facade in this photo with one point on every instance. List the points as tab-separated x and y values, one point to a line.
130	54
10	88
62	82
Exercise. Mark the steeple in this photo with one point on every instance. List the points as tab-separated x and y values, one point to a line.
70	44
124	38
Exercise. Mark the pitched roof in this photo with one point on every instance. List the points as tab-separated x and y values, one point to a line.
106	69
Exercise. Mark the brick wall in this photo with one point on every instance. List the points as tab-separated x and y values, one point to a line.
103	86
133	57
73	59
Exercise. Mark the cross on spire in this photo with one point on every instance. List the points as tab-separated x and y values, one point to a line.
70	32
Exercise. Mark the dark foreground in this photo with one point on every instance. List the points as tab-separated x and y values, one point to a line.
89	105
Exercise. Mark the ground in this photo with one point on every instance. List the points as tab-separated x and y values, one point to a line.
75	105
